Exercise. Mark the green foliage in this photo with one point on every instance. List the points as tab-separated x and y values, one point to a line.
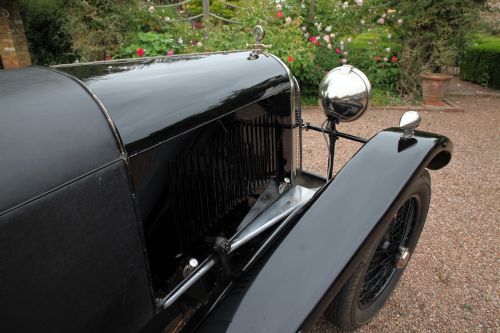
287	30
376	56
97	26
384	98
216	6
431	36
45	27
152	43
481	61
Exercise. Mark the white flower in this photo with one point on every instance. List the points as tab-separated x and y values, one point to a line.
199	44
344	61
306	35
400	21
318	37
332	35
288	19
345	4
328	28
304	29
385	59
341	43
388	50
349	40
345	54
326	38
167	18
316	24
180	41
319	27
362	22
279	7
384	15
151	9
380	21
359	2
389	36
329	46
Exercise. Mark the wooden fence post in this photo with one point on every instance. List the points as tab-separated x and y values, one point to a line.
312	11
206	16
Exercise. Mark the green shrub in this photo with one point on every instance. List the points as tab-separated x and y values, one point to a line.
376	55
481	62
45	27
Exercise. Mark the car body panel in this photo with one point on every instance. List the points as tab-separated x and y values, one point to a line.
73	260
113	179
153	100
52	132
282	291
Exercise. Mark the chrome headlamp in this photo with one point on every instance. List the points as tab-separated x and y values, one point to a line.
345	93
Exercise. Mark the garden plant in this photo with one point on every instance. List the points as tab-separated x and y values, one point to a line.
391	41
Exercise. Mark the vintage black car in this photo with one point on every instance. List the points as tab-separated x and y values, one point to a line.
167	194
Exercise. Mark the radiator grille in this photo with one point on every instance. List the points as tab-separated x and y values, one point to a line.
210	181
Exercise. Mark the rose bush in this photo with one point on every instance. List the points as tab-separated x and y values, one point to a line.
372	35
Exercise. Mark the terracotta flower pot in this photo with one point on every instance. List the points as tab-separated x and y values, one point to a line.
434	86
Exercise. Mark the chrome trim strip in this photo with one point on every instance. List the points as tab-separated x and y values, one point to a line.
298	123
293	171
101	106
143	59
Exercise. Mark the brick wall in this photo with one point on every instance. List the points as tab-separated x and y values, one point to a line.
14	51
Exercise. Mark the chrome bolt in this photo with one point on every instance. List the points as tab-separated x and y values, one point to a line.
192	264
402	257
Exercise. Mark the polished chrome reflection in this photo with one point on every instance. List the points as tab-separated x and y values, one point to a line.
275	210
344	93
258	33
408	122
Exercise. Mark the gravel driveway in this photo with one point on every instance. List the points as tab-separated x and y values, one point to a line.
452	282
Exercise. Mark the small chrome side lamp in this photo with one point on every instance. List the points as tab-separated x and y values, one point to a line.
408	122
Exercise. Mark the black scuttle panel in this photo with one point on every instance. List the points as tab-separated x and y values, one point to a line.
73	261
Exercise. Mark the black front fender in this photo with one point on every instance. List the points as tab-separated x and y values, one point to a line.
290	287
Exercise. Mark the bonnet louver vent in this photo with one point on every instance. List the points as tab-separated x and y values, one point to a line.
210	181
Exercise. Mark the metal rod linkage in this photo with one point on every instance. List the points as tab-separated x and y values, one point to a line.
174	4
308	126
224	19
187	283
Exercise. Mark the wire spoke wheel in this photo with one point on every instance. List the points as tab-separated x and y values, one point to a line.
383	259
384	263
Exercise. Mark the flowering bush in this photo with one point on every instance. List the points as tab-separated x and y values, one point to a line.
364	33
336	35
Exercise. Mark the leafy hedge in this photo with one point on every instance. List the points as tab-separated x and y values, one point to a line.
481	62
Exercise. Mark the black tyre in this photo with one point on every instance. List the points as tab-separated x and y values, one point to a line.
383	263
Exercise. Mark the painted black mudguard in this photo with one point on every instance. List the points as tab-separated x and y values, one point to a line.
290	287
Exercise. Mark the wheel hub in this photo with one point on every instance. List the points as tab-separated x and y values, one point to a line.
402	257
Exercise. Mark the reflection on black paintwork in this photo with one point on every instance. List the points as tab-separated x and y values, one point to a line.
153	100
